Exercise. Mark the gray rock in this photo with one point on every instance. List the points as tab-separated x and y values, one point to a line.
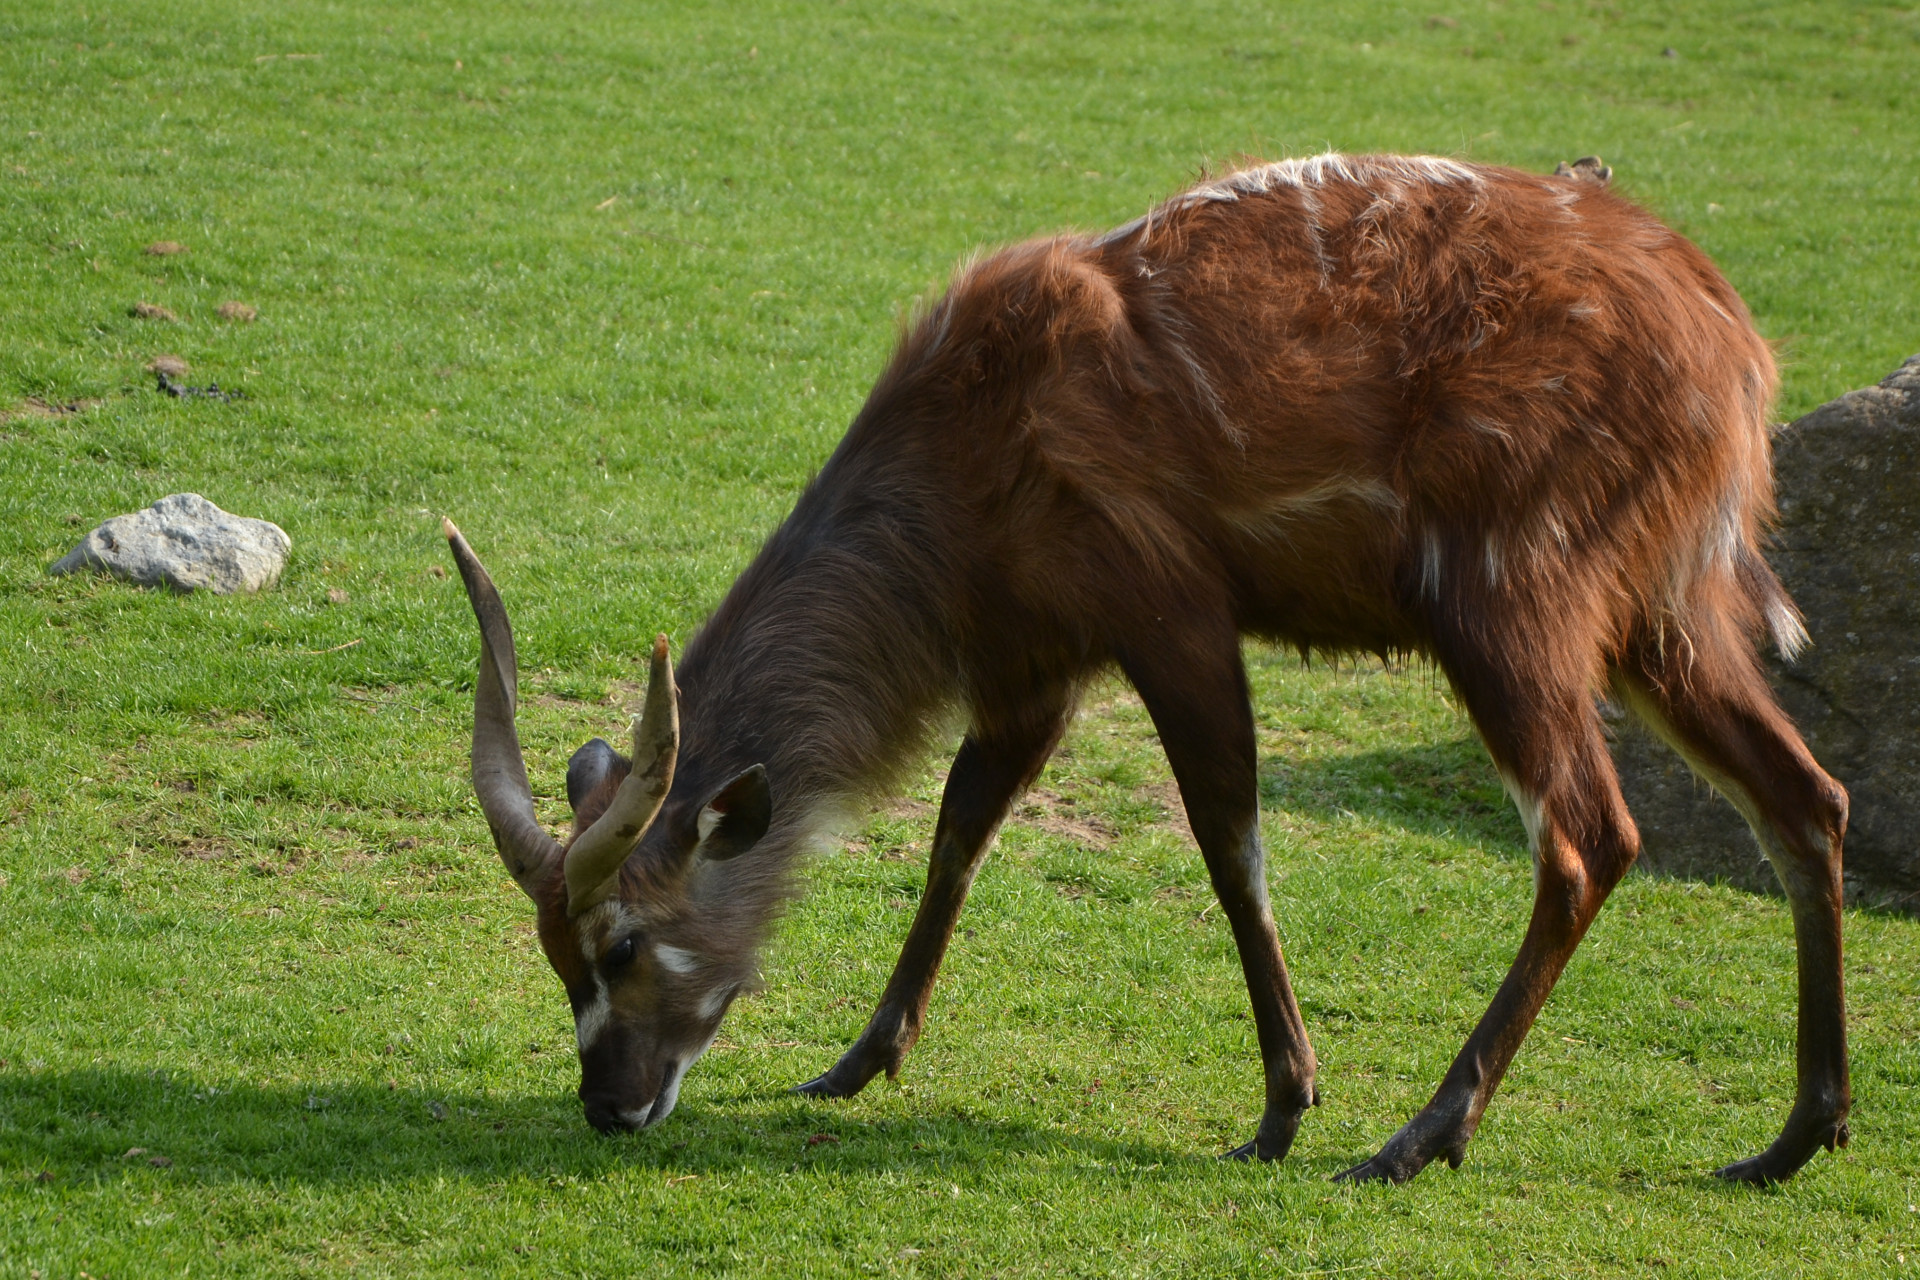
1848	550
186	543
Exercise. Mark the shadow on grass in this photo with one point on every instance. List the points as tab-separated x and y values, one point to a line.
1444	789
87	1126
1449	790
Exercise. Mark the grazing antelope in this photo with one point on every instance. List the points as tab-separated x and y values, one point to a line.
1348	403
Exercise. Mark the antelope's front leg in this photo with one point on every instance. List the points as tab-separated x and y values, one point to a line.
992	767
1195	688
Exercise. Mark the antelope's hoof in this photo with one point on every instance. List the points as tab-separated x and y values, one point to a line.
1440	1131
825	1086
1273	1141
1386	1168
1755	1171
1789	1152
843	1079
1371	1170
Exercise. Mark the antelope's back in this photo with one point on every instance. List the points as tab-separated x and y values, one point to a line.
1373	381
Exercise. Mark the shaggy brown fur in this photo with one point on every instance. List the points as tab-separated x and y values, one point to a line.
1349	403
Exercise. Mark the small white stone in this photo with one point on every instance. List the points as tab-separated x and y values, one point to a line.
186	543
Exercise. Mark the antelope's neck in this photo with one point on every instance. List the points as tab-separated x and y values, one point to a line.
826	662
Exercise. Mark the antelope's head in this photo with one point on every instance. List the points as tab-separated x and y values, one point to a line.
617	917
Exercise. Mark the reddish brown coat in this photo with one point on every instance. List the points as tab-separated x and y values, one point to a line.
1368	403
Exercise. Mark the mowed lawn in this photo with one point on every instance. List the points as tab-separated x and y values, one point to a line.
605	283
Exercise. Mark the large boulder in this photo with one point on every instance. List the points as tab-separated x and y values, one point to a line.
1848	550
186	543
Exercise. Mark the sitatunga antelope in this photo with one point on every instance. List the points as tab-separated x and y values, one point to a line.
1349	403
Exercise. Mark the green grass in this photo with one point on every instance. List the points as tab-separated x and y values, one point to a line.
605	283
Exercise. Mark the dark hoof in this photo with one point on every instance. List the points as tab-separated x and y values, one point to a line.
1374	1170
1273	1141
823	1086
1786	1156
844	1078
1385	1168
1756	1171
1409	1151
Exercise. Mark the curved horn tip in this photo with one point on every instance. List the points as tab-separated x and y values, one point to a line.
449	528
660	647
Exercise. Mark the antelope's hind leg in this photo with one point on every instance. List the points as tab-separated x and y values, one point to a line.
1712	704
996	762
1544	734
1195	688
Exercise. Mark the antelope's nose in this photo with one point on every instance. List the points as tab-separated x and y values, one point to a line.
604	1115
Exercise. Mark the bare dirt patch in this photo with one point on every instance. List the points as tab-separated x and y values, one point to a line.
35	407
907	808
1173	809
1062	816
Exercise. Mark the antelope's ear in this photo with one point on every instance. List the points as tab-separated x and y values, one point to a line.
733	821
590	770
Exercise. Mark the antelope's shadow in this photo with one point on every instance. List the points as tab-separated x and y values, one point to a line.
89	1125
1438	789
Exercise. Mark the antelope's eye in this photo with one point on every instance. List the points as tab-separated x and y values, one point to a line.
622	953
